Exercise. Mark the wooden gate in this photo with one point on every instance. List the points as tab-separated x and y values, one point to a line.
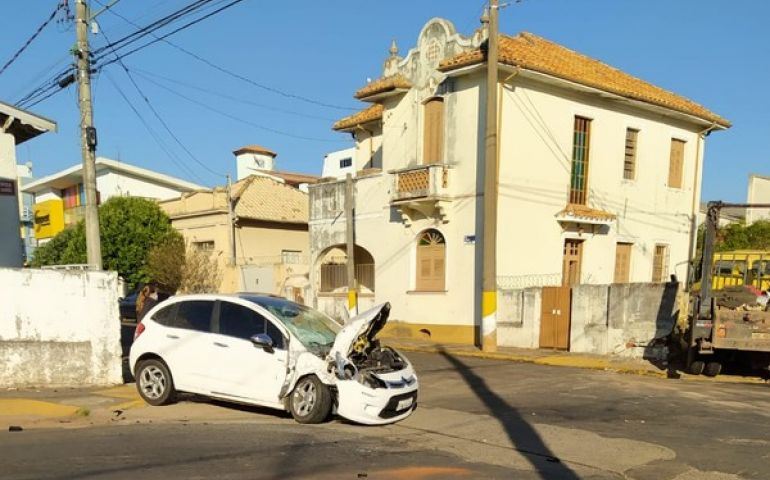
555	317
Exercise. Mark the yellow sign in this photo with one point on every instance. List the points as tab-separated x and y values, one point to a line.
49	218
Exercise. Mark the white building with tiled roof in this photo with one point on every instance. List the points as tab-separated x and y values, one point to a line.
599	179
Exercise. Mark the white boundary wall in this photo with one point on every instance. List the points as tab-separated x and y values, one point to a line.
59	328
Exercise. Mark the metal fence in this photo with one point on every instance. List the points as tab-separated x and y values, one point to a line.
334	276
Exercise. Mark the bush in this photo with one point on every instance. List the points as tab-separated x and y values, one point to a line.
129	227
178	268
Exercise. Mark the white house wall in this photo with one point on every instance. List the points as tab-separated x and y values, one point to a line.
535	161
114	184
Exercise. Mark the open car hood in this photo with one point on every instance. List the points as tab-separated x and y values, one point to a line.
364	325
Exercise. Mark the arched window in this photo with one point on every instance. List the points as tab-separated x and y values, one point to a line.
433	131
431	262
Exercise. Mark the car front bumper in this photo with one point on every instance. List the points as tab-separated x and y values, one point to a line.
375	406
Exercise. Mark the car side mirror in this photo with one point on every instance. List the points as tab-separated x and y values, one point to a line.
263	341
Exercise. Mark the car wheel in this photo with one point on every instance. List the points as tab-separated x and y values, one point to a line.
154	383
310	401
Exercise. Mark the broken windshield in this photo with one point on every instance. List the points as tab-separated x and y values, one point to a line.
312	328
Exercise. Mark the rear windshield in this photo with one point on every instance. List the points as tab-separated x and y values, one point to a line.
311	327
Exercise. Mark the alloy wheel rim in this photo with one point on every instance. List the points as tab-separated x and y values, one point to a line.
304	398
152	382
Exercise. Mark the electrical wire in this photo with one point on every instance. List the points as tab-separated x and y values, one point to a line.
33	37
235	74
147	29
182	166
160	119
144	73
238	119
158	39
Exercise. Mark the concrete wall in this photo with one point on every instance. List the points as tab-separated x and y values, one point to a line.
59	328
619	319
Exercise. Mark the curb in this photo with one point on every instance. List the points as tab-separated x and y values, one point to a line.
577	362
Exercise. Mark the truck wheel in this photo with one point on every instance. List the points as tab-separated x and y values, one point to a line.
310	401
712	369
696	367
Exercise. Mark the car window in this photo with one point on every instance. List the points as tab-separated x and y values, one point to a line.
166	316
276	335
194	315
239	321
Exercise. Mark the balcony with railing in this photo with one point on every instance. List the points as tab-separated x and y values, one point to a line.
424	188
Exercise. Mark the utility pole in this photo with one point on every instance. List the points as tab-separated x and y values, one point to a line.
351	245
231	221
87	134
489	281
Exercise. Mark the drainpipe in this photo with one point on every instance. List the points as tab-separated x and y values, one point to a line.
695	203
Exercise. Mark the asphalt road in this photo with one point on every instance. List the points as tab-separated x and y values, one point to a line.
477	419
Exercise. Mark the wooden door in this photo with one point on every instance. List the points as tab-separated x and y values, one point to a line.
622	262
573	255
555	317
431	262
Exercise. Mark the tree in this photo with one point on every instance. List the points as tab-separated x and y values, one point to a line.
128	226
165	263
739	236
176	267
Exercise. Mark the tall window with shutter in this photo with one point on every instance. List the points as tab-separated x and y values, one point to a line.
579	173
431	262
623	262
629	160
433	126
660	264
676	163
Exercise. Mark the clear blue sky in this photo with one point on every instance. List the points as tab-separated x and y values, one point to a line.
714	52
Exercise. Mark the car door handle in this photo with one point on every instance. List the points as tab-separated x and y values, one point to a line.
223	345
175	337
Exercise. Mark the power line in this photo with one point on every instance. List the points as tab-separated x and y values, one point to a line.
238	119
147	29
44	91
152	132
158	39
145	73
33	37
160	119
235	74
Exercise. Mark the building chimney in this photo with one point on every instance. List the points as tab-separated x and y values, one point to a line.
253	159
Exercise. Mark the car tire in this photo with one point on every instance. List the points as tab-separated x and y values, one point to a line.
154	382
310	401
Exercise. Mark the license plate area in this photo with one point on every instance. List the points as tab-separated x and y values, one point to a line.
404	404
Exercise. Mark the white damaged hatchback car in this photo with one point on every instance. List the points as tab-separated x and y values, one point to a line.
268	351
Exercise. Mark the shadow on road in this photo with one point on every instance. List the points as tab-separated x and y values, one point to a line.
523	437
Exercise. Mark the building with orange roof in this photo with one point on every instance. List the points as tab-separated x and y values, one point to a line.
264	247
599	180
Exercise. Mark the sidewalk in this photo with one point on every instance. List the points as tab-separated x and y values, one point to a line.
561	359
48	407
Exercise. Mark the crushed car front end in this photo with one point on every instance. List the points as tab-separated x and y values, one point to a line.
375	384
